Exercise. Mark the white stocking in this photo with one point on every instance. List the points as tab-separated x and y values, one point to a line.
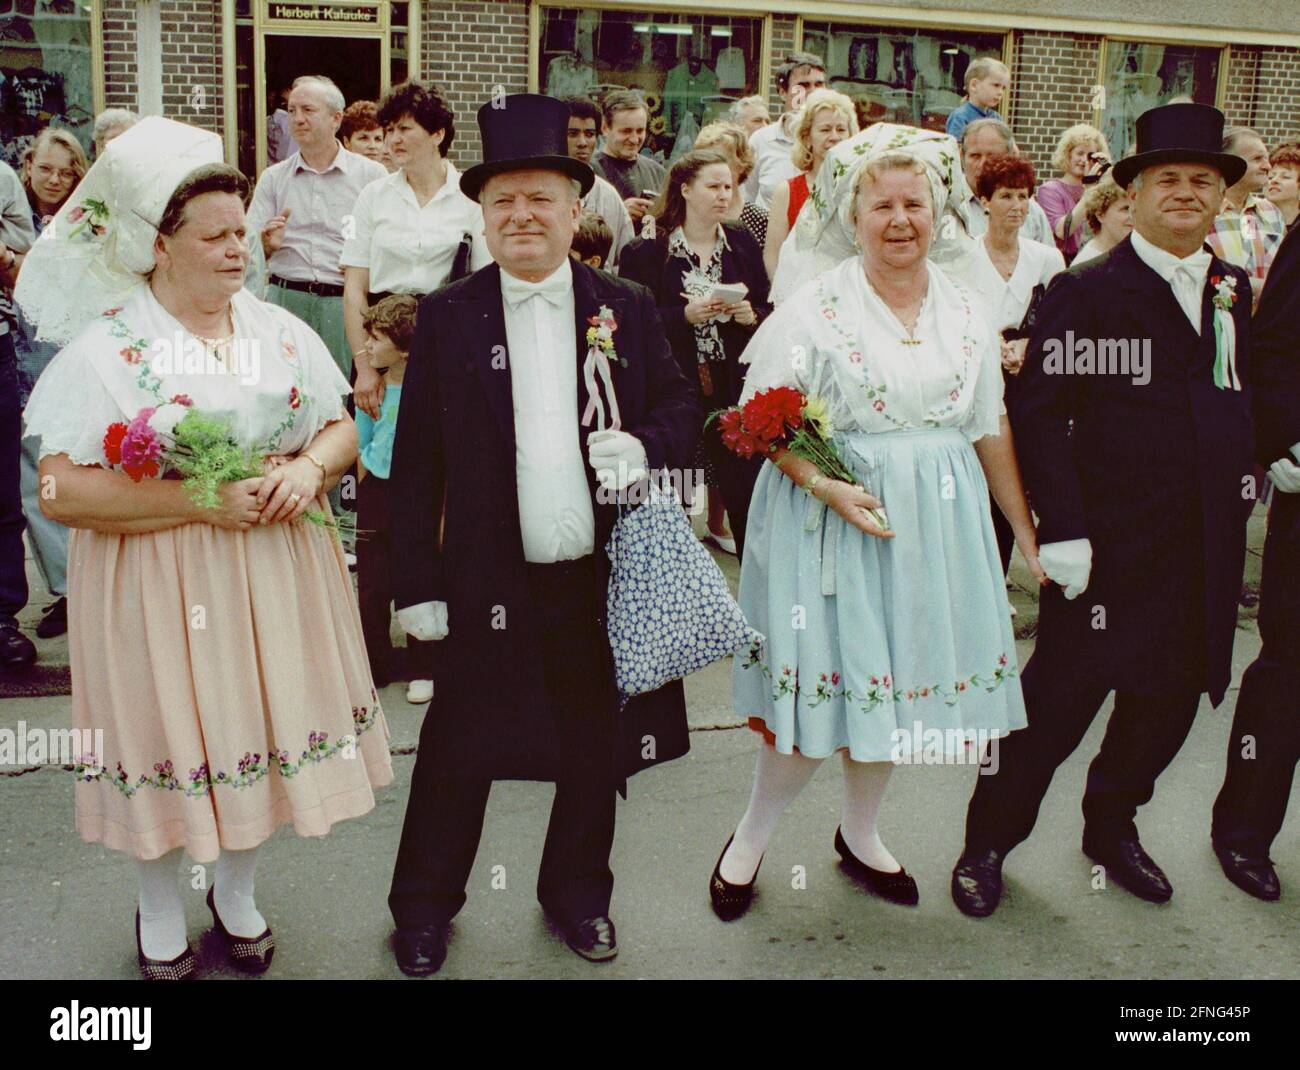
778	779
232	891
864	788
162	910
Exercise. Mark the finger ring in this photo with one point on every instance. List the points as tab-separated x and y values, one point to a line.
295	498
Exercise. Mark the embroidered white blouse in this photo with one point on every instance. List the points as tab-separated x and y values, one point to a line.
837	340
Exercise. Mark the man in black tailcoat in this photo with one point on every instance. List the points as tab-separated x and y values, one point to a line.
1133	430
1265	741
509	492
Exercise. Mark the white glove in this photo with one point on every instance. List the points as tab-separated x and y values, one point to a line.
1285	474
618	458
1068	563
426	621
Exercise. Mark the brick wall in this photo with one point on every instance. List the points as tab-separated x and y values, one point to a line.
1051	88
468	47
120	73
1277	114
1239	93
191	70
782	44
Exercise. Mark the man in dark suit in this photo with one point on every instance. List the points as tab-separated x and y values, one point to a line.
509	492
1134	433
1265	741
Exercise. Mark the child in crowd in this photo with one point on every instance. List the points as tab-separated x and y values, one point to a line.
593	241
986	80
390	326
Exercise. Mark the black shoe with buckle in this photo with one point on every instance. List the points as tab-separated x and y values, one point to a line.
421	952
730	901
977	882
181	968
55	621
896	887
16	650
250	954
592	938
1253	874
1129	866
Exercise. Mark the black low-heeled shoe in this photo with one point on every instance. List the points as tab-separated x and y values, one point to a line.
252	955
896	887
181	968
730	901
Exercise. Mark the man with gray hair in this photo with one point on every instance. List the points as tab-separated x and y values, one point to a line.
1248	229
992	137
750	114
799	75
108	124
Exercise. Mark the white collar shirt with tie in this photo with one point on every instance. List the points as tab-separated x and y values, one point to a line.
555	513
1186	275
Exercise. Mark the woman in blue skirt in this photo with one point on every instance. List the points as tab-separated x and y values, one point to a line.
887	646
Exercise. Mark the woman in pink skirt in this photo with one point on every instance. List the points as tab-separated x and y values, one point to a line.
219	649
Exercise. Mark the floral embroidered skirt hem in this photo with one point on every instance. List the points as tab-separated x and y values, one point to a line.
894	650
229	677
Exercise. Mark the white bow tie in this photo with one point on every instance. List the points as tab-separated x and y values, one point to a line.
1194	267
553	289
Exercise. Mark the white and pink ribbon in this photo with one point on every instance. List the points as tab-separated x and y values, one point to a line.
598	363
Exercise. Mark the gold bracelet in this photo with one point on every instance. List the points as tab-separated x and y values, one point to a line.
324	472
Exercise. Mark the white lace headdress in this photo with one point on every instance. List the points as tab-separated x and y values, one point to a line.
100	244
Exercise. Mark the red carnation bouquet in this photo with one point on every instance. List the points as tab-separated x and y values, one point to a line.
785	418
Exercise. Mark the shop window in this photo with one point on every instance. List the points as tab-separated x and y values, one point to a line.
1139	76
909	76
397	51
689	68
45	67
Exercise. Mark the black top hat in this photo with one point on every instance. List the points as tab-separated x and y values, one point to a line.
1180	133
521	132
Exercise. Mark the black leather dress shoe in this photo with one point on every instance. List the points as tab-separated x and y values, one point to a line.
421	952
1129	866
730	901
592	938
16	650
1253	874
251	955
977	882
896	887
55	621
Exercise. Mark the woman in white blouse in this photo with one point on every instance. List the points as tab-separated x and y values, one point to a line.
407	230
884	646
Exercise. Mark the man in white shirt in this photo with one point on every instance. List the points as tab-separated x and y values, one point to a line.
300	209
508	484
992	137
1133	429
799	75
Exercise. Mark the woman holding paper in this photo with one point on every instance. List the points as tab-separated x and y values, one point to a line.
708	279
883	646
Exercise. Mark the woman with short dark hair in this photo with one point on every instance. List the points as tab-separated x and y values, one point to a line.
216	649
413	231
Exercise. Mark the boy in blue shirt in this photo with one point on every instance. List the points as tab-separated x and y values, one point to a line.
986	80
389	326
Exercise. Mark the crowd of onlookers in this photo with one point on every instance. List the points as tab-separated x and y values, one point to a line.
383	167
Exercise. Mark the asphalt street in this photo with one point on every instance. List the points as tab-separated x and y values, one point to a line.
66	907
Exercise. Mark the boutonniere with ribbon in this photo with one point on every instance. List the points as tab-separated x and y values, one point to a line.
1225	332
600	352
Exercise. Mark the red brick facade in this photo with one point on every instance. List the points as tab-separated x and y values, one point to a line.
473	48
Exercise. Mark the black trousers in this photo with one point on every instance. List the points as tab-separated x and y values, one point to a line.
1142	737
444	816
1265	741
736	477
376	573
13	572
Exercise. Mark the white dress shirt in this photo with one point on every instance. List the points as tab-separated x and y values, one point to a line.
409	249
772	145
1005	301
555	514
1186	275
320	202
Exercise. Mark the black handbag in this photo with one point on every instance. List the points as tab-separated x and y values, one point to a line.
1026	328
460	265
